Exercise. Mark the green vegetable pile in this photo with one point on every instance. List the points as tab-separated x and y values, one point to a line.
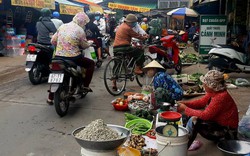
195	77
144	114
189	58
138	127
139	114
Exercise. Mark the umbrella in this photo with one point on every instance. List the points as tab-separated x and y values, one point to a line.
183	12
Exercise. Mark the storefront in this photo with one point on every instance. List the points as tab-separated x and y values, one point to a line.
18	20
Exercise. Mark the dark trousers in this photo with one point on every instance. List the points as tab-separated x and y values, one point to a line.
210	130
86	63
136	53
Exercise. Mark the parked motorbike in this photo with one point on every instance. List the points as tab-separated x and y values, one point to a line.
196	41
167	53
66	84
228	58
37	62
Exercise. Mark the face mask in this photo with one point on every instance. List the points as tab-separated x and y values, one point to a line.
134	24
97	17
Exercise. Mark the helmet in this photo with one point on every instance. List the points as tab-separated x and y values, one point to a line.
45	12
91	16
145	19
98	13
131	18
56	14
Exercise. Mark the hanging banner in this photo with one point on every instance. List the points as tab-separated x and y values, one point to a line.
127	7
34	3
213	30
69	9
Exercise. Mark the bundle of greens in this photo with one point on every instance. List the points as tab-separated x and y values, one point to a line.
190	58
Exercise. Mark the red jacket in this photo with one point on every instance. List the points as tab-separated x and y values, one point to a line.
222	109
184	37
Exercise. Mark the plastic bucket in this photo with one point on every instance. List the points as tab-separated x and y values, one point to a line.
172	146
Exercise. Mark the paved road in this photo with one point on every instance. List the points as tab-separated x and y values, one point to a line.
29	127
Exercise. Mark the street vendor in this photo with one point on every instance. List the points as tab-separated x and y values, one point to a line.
215	115
166	88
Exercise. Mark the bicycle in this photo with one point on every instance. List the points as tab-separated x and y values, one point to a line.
121	68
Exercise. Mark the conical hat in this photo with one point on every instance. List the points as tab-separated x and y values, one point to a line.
181	32
153	64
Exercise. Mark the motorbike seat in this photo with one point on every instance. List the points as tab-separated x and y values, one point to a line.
63	61
236	48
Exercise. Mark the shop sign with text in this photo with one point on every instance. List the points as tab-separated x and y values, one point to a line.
69	9
127	7
34	3
213	30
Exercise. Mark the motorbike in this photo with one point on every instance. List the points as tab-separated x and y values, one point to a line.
167	53
37	62
195	41
66	84
228	58
106	39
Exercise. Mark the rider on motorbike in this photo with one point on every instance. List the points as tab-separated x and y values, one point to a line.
70	39
45	28
123	38
57	22
92	33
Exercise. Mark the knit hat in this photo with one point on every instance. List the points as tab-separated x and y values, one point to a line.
153	64
131	18
214	80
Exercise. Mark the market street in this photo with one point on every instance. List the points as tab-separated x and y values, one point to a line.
30	127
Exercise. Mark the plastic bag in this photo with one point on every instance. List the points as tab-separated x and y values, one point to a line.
128	151
244	126
90	53
242	82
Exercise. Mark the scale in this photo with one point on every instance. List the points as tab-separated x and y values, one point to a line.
85	152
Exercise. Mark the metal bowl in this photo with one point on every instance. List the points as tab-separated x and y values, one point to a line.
103	145
234	147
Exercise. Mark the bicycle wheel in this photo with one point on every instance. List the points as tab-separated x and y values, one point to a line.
143	79
115	72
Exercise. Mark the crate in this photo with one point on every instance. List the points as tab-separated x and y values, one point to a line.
182	78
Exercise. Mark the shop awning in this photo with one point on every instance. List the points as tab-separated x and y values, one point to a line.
34	3
152	4
127	7
69	8
93	7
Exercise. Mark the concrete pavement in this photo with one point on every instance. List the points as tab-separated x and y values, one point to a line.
13	67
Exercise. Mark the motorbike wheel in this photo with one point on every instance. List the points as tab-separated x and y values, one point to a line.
143	79
35	74
196	45
60	101
178	66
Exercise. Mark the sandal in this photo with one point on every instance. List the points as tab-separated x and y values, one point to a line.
49	102
195	145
